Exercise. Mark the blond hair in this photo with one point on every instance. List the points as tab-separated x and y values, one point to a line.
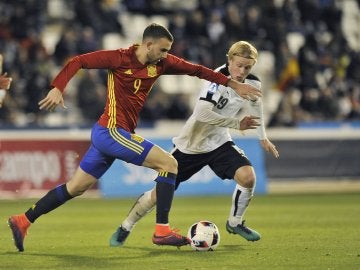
243	49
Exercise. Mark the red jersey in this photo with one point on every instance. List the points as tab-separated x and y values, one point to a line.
129	82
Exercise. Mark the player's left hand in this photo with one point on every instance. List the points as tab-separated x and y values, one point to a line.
249	122
52	100
269	147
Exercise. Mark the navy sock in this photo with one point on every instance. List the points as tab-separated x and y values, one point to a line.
53	199
165	187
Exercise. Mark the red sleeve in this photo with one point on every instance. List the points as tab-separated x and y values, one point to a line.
178	66
94	60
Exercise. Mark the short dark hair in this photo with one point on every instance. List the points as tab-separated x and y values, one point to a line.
155	30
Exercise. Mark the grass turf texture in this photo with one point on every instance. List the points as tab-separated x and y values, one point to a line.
298	232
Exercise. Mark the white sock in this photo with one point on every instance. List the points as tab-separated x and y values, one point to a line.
240	201
142	206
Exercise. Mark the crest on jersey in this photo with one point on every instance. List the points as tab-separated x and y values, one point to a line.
137	138
151	69
213	88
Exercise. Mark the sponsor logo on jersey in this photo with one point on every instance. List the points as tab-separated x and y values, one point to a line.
152	72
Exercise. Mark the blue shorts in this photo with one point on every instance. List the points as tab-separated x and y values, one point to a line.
108	144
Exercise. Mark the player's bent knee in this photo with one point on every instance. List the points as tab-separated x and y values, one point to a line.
160	160
173	165
169	164
245	177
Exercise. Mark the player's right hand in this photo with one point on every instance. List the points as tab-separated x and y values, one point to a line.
52	100
270	147
249	122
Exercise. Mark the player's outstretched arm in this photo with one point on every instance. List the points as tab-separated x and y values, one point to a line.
52	100
244	90
269	147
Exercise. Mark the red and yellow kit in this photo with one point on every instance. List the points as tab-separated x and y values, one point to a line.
129	81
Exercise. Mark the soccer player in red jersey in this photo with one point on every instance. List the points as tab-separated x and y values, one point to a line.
131	75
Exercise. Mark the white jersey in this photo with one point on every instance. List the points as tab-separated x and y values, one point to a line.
213	130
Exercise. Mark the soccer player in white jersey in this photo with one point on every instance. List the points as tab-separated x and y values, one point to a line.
205	140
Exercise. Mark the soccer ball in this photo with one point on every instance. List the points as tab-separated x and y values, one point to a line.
204	236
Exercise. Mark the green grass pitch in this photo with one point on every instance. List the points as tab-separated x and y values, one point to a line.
314	231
